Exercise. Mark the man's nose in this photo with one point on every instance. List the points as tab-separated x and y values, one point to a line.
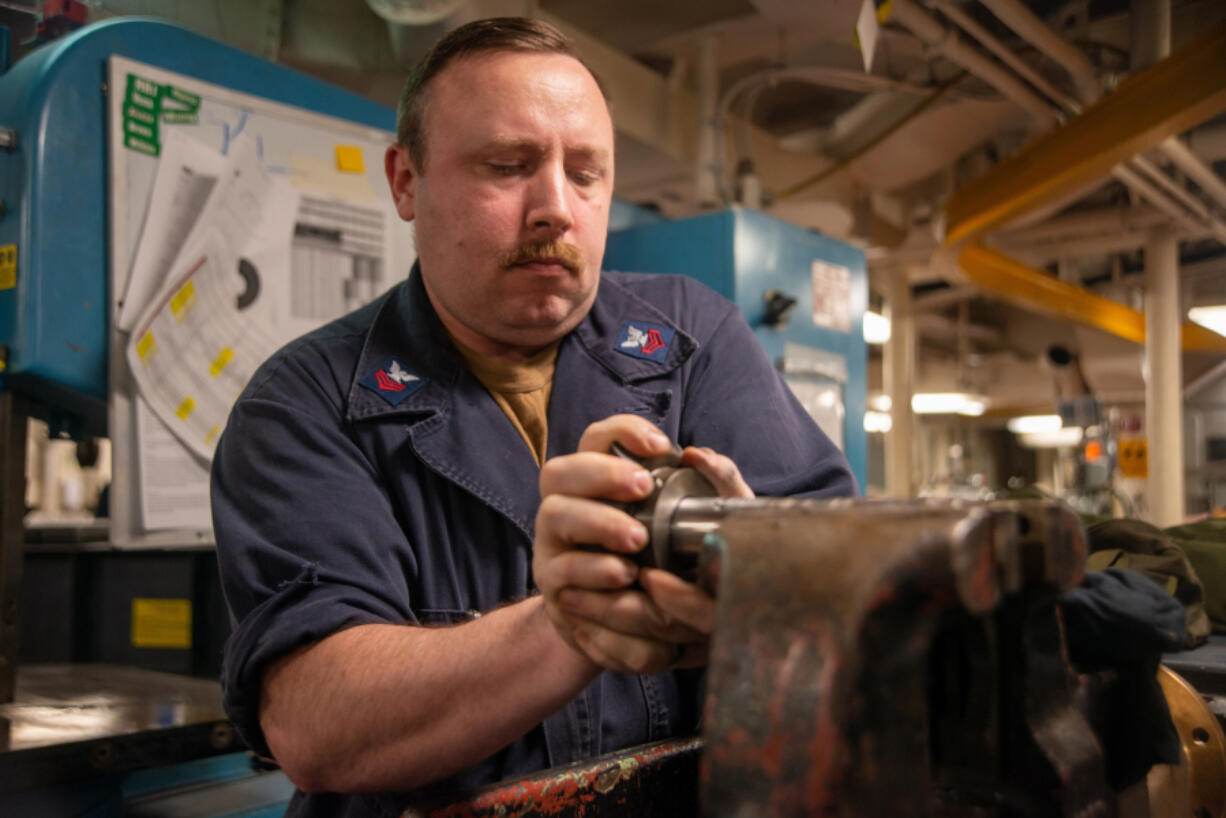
548	205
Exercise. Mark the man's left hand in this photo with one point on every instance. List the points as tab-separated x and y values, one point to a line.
630	629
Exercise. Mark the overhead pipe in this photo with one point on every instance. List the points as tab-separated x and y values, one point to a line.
1149	106
1086	222
1195	168
1002	51
1172	96
1031	28
947	43
934	34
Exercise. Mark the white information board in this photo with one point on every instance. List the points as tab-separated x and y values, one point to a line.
237	224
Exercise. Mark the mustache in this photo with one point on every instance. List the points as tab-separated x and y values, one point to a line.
566	254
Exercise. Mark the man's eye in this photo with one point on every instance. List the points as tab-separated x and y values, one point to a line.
585	177
505	169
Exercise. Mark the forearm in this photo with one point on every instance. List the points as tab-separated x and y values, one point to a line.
389	707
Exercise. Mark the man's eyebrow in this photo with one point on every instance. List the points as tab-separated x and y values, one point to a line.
583	152
509	144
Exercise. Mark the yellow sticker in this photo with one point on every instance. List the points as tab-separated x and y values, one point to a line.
161	623
221	361
145	346
208	439
8	267
349	159
1134	457
185	408
183	300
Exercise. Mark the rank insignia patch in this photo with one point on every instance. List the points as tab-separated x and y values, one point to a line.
643	340
392	382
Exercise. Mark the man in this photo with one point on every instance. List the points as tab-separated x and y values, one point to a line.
383	521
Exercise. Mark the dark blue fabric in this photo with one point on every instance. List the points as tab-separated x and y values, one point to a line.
1117	624
334	507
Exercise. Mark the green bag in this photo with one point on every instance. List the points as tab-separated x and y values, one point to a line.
1205	544
1141	547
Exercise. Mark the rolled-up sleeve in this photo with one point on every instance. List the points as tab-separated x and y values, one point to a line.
307	540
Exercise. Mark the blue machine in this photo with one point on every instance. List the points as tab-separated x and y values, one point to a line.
744	254
54	318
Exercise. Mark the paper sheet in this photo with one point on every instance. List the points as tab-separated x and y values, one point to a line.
174	484
185	181
232	263
199	341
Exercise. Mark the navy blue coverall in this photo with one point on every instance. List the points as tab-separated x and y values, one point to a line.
366	477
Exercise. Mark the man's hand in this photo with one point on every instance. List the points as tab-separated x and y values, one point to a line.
591	594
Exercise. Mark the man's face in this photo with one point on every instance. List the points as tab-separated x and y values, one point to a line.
512	206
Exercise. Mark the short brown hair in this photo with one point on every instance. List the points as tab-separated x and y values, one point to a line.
493	34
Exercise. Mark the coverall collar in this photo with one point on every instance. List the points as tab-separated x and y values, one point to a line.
407	328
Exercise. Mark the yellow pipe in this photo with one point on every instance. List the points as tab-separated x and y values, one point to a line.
1175	94
1032	289
1171	96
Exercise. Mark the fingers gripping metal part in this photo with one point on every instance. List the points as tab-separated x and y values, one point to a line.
672	483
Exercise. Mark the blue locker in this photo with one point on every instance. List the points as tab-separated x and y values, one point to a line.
742	254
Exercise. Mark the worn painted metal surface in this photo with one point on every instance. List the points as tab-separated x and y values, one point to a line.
653	781
898	658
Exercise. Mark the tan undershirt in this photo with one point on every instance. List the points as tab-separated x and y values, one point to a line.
521	389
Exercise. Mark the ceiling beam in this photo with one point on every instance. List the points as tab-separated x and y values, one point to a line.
1174	95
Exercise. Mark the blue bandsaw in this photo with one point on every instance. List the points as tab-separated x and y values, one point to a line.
54	302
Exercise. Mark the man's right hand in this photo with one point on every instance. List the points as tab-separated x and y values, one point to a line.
591	594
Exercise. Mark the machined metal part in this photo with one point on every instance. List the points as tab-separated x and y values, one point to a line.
673	484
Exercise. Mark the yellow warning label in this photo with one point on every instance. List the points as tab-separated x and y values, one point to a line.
1134	457
183	301
349	159
8	267
221	361
208	439
161	623
145	346
186	407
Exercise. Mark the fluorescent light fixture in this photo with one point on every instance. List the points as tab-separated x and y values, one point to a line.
876	328
948	403
877	422
1056	439
1026	424
880	402
1213	318
973	406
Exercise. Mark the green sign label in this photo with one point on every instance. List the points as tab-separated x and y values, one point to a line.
147	106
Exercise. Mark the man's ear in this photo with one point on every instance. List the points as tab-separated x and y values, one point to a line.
402	180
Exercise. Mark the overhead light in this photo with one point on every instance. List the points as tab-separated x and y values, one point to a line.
1027	424
876	328
880	402
879	422
1054	439
948	403
1213	318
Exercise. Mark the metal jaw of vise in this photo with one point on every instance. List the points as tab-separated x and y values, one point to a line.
882	657
869	658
